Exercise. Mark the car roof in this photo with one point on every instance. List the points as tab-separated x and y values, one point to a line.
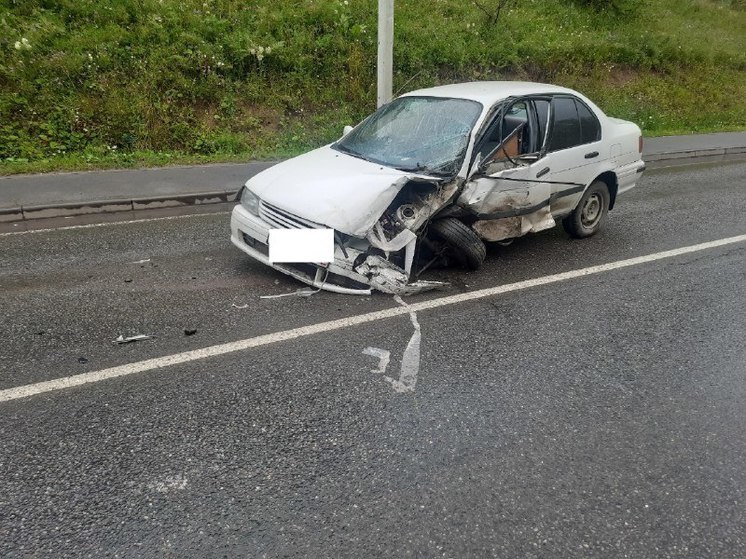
489	93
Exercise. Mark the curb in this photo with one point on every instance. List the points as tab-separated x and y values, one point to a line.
691	157
11	214
68	209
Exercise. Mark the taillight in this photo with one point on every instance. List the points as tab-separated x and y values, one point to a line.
639	145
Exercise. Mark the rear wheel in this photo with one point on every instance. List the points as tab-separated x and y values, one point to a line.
464	244
586	219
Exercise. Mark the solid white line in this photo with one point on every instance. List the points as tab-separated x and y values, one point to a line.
275	337
107	223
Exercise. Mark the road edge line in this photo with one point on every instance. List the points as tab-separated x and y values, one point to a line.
156	363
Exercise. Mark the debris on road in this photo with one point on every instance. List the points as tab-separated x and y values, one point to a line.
189	332
136	338
235	306
141	261
82	360
303	292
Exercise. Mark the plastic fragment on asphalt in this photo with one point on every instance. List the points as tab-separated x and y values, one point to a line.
188	332
235	306
126	340
304	292
82	360
141	261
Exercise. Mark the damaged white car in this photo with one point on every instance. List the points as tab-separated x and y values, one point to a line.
430	177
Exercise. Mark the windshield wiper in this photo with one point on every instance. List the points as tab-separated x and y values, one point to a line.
348	151
424	169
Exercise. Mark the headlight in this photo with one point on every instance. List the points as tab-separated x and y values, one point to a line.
250	201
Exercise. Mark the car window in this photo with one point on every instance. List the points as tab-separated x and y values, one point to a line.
514	128
518	111
565	124
542	117
590	129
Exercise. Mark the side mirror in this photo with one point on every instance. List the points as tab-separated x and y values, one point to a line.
346	130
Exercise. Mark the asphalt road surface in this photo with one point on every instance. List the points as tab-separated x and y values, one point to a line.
596	415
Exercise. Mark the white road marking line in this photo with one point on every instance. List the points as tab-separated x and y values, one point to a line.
383	355
410	361
108	223
275	337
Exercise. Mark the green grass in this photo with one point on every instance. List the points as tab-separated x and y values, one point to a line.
117	83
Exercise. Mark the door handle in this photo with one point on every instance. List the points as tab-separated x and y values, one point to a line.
543	172
591	155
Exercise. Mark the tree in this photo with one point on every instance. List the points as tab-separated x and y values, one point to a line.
492	9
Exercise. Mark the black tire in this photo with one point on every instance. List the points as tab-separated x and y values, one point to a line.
586	218
464	244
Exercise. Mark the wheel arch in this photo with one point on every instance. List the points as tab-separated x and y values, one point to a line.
610	180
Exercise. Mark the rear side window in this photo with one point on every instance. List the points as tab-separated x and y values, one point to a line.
590	129
565	124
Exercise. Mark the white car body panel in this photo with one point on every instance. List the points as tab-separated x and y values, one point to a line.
330	188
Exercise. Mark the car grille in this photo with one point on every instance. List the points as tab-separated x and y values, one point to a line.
280	219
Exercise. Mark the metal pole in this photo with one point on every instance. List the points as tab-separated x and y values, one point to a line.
385	50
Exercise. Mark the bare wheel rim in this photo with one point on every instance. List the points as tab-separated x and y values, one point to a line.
592	210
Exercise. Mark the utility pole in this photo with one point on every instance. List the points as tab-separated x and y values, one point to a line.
385	50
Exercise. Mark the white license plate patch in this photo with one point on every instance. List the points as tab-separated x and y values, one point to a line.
301	245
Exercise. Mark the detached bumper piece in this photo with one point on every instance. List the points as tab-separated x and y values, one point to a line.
389	278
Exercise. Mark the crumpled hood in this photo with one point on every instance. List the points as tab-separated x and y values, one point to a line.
330	188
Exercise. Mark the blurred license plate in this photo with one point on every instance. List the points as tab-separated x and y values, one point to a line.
301	245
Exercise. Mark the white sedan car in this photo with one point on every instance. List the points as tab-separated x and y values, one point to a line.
430	177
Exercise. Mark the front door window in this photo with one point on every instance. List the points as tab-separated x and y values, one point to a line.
514	134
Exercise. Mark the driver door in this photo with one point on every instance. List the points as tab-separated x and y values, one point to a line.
507	192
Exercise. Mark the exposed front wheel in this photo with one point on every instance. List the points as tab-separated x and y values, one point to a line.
463	243
586	219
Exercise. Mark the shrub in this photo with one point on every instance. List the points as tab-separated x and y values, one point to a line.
617	7
214	77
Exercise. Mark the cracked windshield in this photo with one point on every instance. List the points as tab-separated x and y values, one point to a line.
420	134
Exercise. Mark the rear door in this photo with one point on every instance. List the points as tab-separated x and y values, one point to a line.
574	148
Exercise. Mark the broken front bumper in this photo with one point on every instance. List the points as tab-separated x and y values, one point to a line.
353	273
250	234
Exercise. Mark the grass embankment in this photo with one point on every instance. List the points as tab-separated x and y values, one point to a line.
116	83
